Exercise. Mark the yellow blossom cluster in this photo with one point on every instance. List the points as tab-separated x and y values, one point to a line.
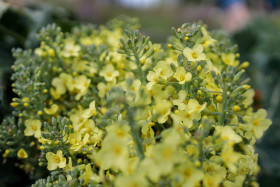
140	114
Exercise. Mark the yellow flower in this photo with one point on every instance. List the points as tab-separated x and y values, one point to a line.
182	76
194	106
113	154
227	134
212	180
161	110
77	120
78	141
55	160
131	90
208	40
249	95
86	41
257	123
60	83
69	165
33	128
52	110
229	59
153	78
181	101
103	89
149	168
230	157
54	93
147	131
188	175
119	130
131	181
81	85
71	50
22	153
213	168
164	69
109	73
187	117
195	54
134	87
91	111
239	180
166	155
192	150
210	84
88	175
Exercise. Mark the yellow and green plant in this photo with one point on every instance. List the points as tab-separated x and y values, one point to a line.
104	106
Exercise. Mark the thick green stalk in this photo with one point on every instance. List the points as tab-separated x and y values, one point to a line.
224	107
135	135
201	151
139	69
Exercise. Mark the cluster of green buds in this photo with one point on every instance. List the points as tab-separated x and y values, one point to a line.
104	106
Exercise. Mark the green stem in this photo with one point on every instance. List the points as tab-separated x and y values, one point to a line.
135	135
139	69
224	107
201	152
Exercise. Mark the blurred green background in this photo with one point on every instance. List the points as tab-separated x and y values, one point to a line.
258	38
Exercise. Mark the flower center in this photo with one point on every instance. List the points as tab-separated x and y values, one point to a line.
187	173
109	74
21	154
155	79
34	128
182	77
120	133
71	51
166	154
187	115
256	123
210	169
117	150
194	55
56	159
227	61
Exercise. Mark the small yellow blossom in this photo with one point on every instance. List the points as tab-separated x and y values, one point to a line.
71	50
229	59
55	160
230	157
82	84
161	111
182	100
33	128
91	111
257	123
188	175
164	69
88	175
228	134
22	153
113	154
182	76
132	181
109	73
52	110
212	180
195	54
153	78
